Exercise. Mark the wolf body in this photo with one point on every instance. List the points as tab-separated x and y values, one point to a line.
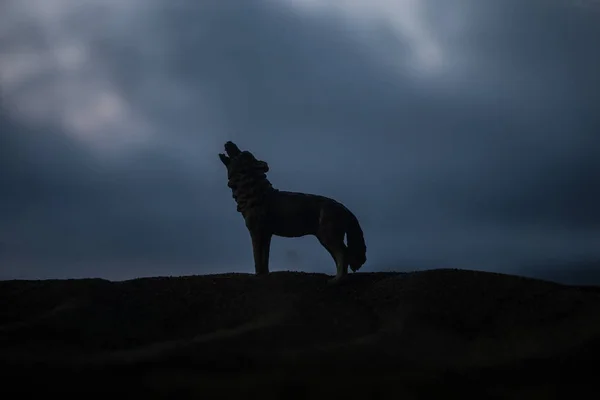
268	211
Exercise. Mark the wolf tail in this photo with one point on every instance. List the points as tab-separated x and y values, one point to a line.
357	249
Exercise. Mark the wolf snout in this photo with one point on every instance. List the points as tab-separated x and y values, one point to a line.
231	149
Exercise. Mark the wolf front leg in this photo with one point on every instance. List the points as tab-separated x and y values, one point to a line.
261	246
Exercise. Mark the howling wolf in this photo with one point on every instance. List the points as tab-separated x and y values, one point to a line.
268	211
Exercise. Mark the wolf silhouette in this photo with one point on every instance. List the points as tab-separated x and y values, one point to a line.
268	211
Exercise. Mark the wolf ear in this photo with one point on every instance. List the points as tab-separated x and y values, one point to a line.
224	159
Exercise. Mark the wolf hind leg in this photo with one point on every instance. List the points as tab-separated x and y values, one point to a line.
334	244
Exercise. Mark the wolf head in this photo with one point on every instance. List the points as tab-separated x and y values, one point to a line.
246	177
240	162
232	152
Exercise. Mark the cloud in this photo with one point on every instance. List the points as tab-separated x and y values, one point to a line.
51	72
458	139
411	40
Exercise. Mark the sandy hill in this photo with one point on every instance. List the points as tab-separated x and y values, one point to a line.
290	335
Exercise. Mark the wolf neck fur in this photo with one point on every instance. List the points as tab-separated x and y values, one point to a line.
250	189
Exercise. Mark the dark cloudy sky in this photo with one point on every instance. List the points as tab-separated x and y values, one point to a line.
462	133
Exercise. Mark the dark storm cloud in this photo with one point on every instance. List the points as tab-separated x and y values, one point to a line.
491	161
62	210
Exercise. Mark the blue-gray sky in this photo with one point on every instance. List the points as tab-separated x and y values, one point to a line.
462	133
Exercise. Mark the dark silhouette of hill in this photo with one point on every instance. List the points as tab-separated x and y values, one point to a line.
290	335
583	272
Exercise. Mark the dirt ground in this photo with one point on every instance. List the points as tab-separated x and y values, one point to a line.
291	335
